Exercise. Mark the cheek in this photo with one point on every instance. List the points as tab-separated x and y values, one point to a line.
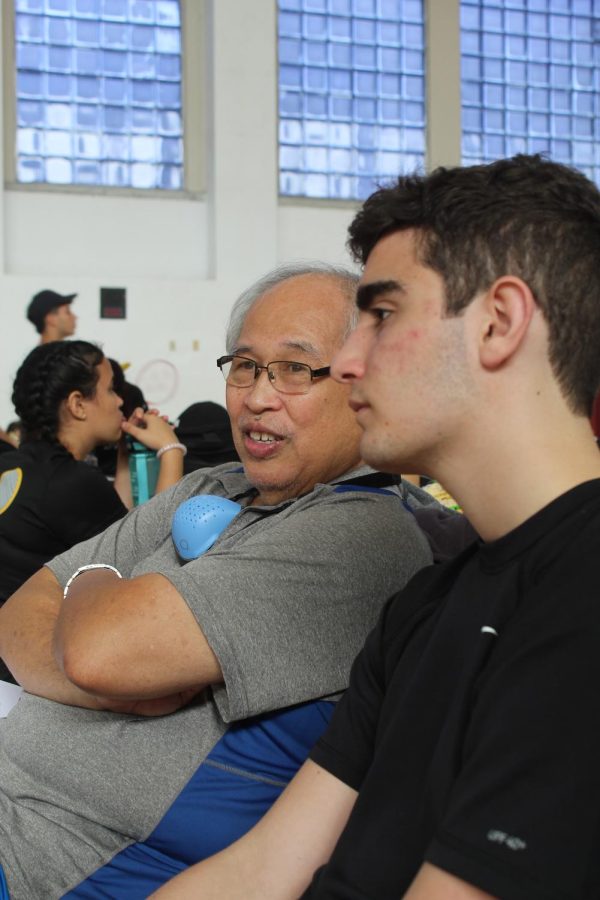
233	404
399	354
406	344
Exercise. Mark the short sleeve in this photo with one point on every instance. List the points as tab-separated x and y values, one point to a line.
130	540
287	609
348	746
346	749
522	816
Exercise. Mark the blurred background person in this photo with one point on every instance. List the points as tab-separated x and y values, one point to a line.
205	429
52	316
133	398
13	430
50	499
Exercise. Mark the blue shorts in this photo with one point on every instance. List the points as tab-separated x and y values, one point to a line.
4	895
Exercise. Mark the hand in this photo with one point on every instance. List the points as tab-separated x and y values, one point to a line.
149	428
158	706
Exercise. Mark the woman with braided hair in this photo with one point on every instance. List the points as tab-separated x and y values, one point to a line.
50	499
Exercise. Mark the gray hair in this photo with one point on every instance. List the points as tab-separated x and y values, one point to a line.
346	279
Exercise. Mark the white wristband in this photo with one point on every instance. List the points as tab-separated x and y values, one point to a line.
87	568
177	446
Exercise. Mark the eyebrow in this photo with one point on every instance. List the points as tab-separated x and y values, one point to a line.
367	293
301	346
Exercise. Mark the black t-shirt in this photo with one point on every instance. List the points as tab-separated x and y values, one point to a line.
48	502
471	727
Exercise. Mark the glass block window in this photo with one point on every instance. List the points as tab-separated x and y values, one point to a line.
531	80
99	92
351	95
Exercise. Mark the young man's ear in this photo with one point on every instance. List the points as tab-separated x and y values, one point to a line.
507	310
75	405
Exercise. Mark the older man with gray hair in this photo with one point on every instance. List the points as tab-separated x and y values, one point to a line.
102	793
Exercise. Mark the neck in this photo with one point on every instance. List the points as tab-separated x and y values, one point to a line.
506	476
50	333
77	445
271	495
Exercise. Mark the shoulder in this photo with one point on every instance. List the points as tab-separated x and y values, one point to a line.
366	500
36	458
73	483
562	563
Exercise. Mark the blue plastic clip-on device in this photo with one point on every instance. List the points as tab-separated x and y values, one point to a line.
199	521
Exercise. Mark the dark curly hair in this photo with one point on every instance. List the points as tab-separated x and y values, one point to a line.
524	216
46	377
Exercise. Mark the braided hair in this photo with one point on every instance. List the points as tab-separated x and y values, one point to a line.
46	377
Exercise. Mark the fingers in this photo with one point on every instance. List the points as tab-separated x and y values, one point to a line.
137	416
154	430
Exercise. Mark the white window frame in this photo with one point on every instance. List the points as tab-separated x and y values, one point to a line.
442	97
193	82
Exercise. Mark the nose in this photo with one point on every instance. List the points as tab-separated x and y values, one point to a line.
348	364
120	399
262	394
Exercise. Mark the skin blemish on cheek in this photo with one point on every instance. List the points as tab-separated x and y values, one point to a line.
405	343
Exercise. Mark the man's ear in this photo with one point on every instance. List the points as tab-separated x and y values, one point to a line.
75	405
508	306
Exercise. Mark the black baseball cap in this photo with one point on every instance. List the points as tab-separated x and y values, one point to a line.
43	303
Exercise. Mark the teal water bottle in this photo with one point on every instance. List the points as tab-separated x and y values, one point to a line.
143	471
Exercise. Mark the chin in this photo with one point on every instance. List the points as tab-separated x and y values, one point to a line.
383	459
270	482
262	477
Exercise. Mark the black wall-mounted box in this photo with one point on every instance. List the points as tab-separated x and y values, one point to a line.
113	303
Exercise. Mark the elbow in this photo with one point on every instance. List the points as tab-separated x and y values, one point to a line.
84	664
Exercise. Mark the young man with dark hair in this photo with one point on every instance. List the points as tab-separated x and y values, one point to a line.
463	760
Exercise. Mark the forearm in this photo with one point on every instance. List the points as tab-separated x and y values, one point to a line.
122	483
27	621
131	639
171	469
432	883
277	858
220	876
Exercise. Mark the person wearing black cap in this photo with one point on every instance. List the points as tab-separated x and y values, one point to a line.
52	315
205	429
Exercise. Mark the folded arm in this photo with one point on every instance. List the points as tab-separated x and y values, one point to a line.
131	639
277	858
27	622
130	645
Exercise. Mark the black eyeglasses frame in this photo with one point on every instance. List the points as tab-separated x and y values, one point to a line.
314	373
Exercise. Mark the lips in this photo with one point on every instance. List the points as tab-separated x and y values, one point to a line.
261	443
356	405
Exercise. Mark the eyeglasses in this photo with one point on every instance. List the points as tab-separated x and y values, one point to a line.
286	376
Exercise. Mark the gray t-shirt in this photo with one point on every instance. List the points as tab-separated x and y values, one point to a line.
285	597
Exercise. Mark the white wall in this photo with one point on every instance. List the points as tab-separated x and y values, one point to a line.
182	260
